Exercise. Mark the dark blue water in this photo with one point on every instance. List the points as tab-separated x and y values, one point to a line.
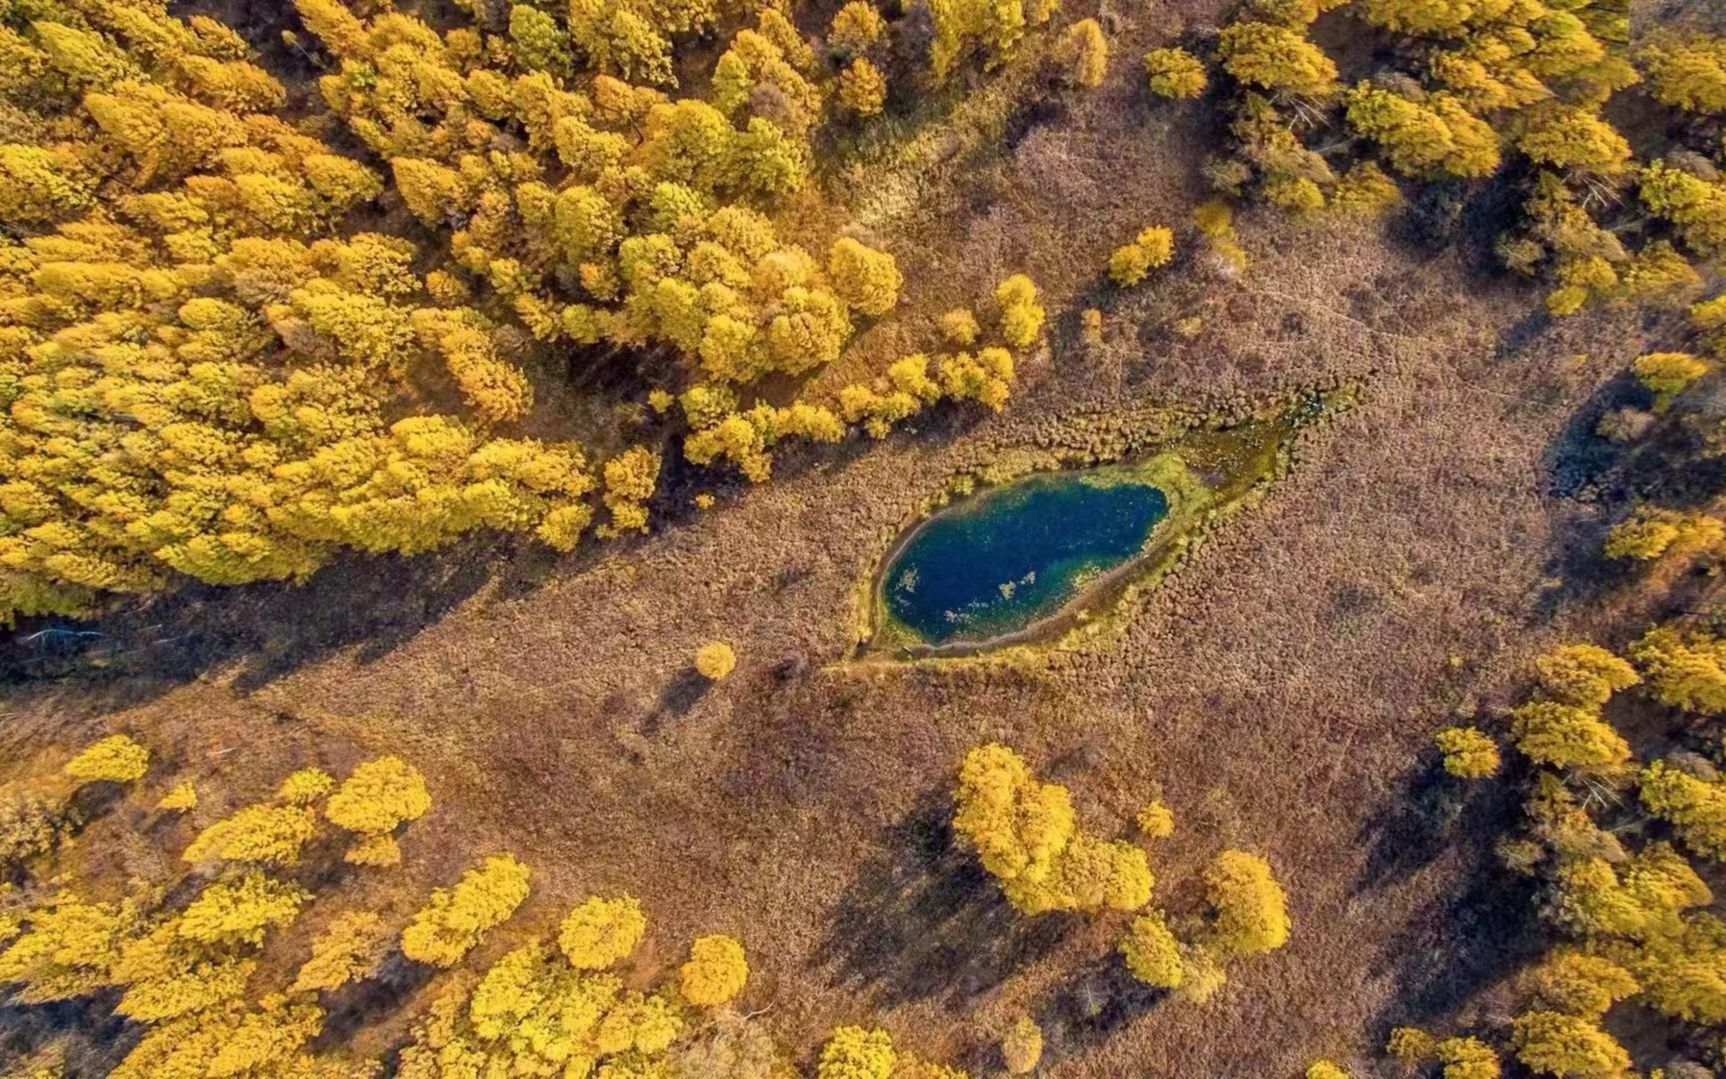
994	564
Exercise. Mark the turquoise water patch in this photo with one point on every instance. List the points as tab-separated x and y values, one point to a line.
994	564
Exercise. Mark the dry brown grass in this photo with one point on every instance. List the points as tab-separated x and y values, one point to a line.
1280	690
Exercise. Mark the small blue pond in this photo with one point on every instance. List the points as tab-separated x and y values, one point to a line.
991	565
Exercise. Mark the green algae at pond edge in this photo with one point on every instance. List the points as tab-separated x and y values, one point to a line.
1086	584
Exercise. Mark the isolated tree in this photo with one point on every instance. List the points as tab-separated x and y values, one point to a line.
1250	912
1175	73
114	759
1468	752
959	327
715	660
1021	315
455	919
715	972
1324	1069
599	933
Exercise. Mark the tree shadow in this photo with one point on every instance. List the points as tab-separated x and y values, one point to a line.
361	1004
371	604
92	1037
1470	937
676	699
1458	945
1422	824
1081	1014
925	921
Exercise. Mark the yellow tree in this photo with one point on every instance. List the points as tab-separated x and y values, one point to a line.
715	972
115	759
855	1053
1276	58
1584	675
1558	1044
862	88
1083	54
1151	249
599	933
867	279
263	834
351	948
378	797
1017	825
1022	1047
1468	752
1566	736
1152	953
1250	912
1175	73
455	919
1021	316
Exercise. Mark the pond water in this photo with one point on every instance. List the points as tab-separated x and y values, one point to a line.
991	565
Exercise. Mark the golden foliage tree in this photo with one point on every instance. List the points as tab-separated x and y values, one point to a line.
1468	752
455	919
599	933
114	759
1175	73
1250	911
715	972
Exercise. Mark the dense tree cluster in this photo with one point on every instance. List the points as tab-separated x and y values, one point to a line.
178	959
226	355
1027	836
1627	906
1475	90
